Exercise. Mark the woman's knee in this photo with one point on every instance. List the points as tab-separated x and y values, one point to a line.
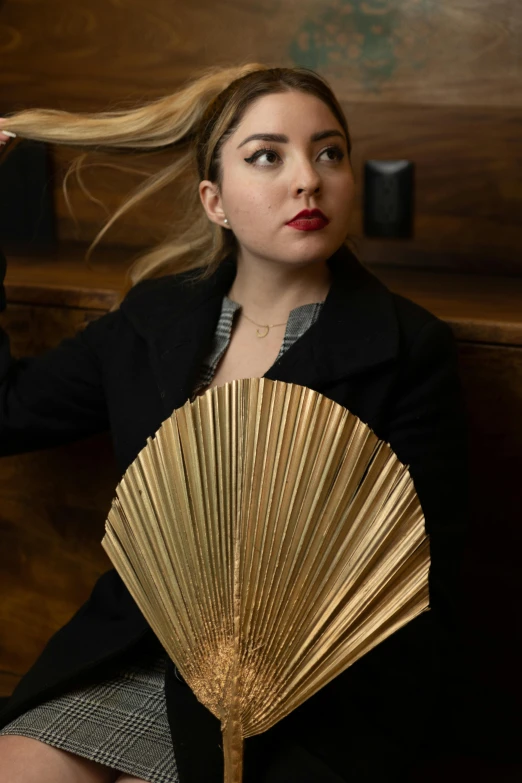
27	760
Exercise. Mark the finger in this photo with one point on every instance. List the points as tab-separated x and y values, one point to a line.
5	135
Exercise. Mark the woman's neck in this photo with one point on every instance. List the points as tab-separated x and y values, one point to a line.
270	292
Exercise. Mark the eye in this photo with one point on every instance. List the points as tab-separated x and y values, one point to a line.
257	154
337	151
339	154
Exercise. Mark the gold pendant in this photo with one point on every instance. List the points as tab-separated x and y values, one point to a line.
265	334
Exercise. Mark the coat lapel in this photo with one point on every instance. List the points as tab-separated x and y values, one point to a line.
356	330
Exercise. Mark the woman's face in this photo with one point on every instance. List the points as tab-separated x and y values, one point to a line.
266	182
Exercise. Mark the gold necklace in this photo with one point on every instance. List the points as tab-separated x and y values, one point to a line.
265	326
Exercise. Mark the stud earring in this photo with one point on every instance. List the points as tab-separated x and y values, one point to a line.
225	221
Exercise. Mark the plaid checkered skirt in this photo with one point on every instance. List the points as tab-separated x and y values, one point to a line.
120	721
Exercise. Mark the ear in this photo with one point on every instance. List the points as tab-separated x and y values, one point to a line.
212	203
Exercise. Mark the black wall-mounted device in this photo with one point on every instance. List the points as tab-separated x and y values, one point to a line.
388	198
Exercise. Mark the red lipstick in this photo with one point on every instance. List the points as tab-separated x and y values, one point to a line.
309	220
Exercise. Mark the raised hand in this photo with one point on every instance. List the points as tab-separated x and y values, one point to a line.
5	135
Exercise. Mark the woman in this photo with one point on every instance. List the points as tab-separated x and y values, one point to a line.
240	288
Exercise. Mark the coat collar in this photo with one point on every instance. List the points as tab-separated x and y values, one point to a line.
356	330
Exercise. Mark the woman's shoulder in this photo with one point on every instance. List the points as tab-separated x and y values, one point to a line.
151	303
414	319
153	287
404	315
140	305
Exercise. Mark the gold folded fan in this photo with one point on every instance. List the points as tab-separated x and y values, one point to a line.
270	539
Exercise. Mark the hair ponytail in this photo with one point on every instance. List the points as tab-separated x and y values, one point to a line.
194	122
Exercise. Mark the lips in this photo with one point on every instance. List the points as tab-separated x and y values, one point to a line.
309	220
309	213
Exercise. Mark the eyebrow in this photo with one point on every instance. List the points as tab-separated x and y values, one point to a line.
284	139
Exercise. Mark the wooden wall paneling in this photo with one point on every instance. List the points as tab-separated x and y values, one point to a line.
435	82
62	277
424	52
140	227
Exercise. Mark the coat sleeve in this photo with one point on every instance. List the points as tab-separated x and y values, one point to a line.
56	397
428	431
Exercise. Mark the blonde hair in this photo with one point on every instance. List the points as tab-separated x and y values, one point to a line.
194	121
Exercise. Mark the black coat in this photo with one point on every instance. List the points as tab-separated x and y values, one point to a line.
389	361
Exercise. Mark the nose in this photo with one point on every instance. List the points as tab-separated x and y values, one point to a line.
306	178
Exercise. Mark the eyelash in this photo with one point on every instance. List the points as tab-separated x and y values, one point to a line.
258	153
